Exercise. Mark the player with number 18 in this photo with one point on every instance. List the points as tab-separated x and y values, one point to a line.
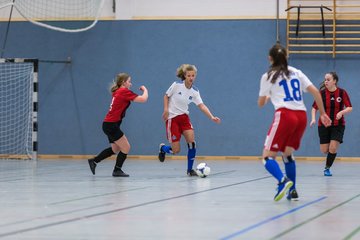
284	86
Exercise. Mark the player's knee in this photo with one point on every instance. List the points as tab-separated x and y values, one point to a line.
265	159
288	159
175	150
115	149
332	150
324	151
191	145
125	148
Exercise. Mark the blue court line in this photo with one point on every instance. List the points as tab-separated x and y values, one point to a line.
247	229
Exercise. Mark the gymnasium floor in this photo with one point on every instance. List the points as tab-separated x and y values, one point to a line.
61	199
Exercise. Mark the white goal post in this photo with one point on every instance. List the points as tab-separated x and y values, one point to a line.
18	108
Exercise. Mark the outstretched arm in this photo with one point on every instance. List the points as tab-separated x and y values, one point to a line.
207	112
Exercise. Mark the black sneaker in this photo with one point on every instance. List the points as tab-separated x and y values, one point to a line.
119	173
161	153
192	173
92	165
293	195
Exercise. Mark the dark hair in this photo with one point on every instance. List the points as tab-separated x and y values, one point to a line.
119	80
279	64
335	77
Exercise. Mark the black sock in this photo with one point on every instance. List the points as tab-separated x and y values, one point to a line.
120	159
330	159
108	152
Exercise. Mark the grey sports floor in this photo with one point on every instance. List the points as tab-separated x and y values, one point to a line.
61	199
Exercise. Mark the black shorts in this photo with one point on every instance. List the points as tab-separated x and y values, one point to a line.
112	131
326	134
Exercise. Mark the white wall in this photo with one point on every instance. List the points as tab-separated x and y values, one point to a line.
182	9
198	9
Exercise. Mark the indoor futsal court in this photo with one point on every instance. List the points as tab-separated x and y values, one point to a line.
114	85
57	199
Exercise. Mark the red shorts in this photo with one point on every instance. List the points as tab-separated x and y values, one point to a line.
287	129
176	126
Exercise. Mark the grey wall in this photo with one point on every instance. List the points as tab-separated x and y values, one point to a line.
231	56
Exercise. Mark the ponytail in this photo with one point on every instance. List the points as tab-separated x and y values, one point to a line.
279	65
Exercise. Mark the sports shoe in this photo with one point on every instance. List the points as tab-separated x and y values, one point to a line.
192	173
282	188
161	153
92	165
327	172
119	173
292	195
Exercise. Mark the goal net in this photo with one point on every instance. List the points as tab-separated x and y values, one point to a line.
18	108
56	14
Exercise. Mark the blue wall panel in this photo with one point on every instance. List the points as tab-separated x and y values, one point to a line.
230	55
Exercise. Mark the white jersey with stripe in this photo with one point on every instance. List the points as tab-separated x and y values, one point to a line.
286	92
180	97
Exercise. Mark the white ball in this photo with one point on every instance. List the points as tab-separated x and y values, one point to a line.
202	170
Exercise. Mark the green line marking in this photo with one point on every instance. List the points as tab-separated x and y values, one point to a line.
315	217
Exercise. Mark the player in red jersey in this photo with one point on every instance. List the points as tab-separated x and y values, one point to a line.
284	86
122	96
337	104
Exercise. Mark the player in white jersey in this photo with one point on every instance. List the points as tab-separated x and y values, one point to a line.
284	86
176	115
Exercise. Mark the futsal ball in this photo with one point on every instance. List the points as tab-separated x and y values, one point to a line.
202	170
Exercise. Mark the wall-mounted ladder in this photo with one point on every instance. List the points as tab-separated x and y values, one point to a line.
323	27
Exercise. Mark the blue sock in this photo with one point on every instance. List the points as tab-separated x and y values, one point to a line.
167	149
290	169
273	168
191	155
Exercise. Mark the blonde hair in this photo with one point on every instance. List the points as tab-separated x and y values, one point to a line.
181	71
119	81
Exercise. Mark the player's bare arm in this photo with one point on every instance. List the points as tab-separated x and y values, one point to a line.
207	112
165	114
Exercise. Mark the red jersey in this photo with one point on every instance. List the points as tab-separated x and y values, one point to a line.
334	102
121	100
